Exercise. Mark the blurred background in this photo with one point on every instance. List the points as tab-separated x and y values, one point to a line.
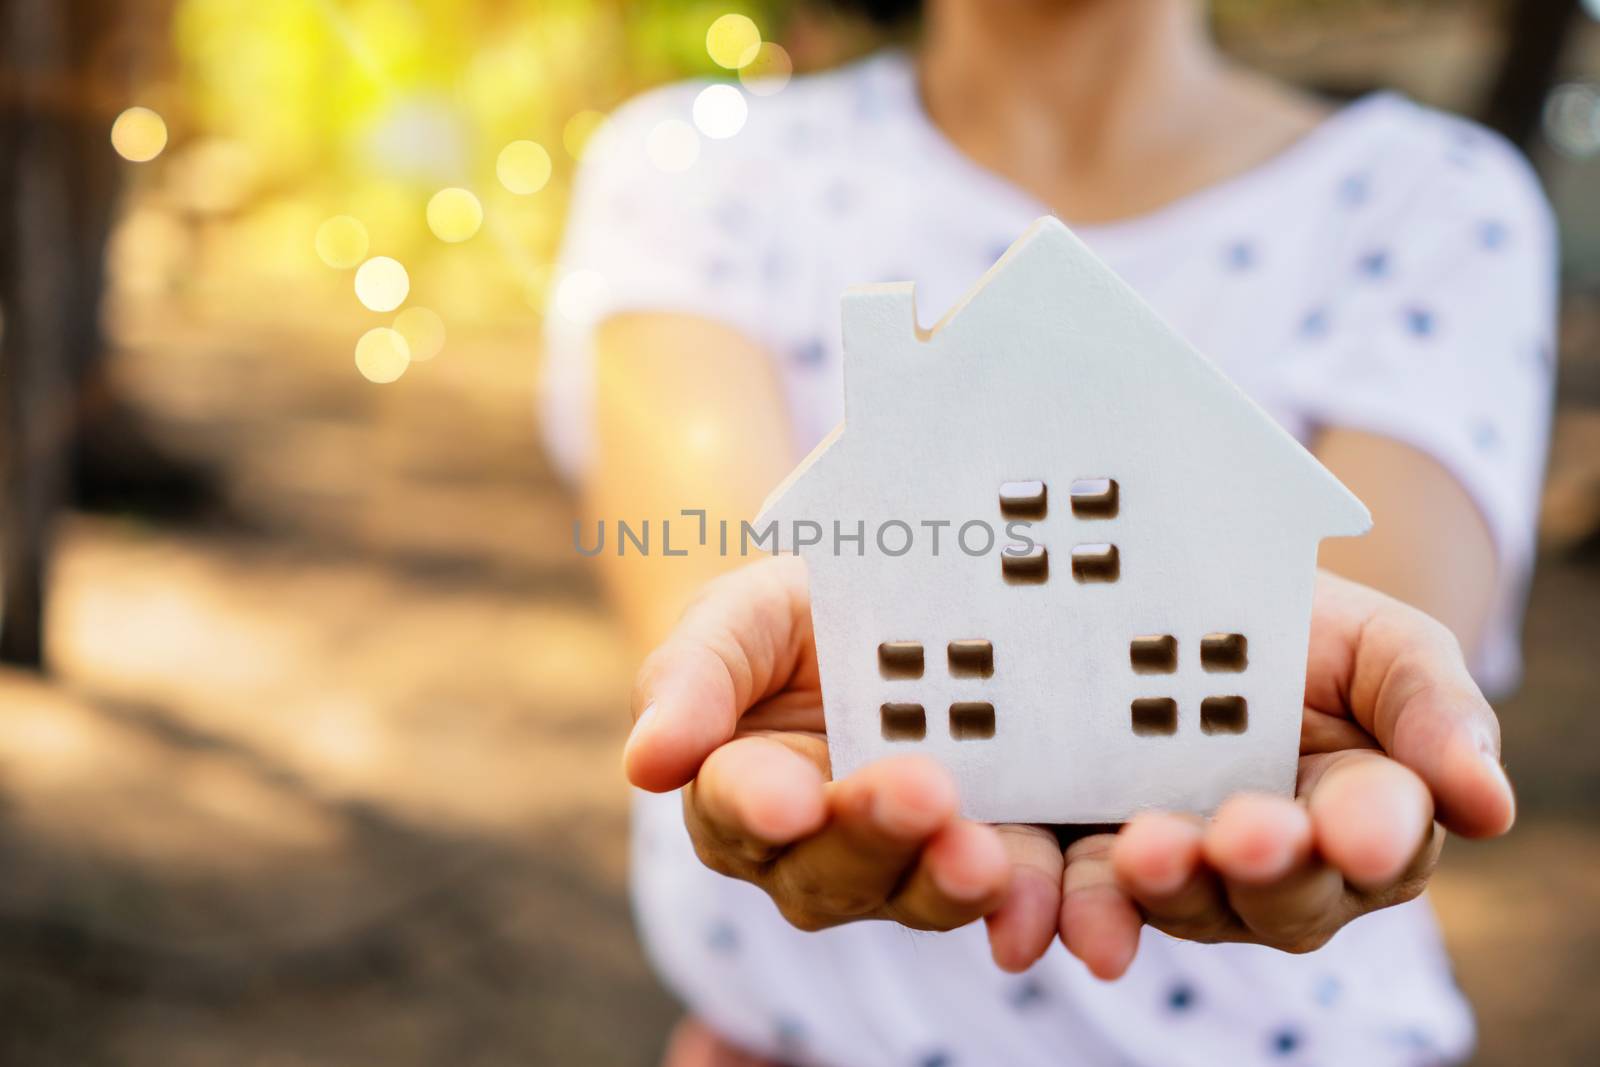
309	719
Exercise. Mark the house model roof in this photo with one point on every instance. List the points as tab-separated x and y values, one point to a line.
1050	336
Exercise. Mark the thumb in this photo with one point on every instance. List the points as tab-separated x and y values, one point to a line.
740	643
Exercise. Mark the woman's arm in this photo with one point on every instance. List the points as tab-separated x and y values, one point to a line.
688	414
1429	544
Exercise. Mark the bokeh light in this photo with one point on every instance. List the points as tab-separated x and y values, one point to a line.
382	355
720	111
523	167
423	330
454	215
733	41
342	242
579	130
673	146
139	135
1572	119
769	72
382	284
581	296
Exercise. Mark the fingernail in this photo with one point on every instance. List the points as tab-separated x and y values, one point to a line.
641	726
1491	760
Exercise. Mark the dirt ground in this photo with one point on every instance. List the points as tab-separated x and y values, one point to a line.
333	780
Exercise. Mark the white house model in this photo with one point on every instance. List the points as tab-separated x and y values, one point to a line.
1135	633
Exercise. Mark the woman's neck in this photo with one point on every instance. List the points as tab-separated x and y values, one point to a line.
1101	108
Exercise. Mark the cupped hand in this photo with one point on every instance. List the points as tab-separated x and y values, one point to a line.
730	707
1395	735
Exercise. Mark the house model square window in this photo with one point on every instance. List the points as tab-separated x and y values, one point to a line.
1224	715
1157	654
1031	567
1155	716
1224	652
1095	498
900	659
972	720
903	722
1024	500
971	659
1096	563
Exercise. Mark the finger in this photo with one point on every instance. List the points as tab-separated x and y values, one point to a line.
1158	861
1099	923
1023	925
755	795
960	877
743	640
1257	839
1370	816
1404	680
1262	847
879	819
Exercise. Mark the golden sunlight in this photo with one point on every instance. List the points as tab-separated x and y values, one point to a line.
139	135
382	355
423	330
454	215
342	242
523	167
382	284
733	41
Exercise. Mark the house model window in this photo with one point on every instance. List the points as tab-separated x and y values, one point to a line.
1154	655
1094	498
972	720
903	722
906	720
1025	568
1158	654
900	659
1048	393
1023	500
1157	716
1223	715
1096	563
971	659
1224	652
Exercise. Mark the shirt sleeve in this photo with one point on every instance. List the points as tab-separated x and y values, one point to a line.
1440	332
646	232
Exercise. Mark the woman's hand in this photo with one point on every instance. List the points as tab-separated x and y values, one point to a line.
1395	734
730	706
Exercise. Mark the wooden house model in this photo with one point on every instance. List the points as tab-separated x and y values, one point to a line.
1135	634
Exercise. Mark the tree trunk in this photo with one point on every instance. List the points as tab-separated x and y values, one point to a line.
57	183
1536	34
